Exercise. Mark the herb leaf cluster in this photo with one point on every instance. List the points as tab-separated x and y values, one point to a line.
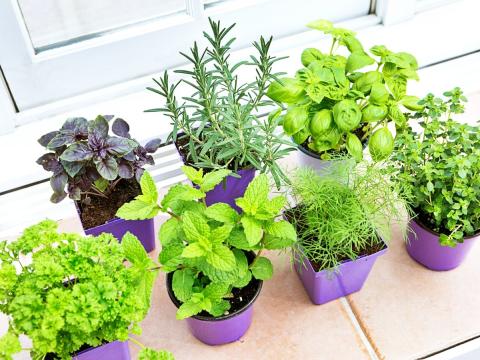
219	122
339	214
206	247
74	291
441	167
335	106
85	160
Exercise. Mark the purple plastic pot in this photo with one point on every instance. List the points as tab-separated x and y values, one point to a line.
117	350
327	285
307	158
424	247
221	330
230	189
142	229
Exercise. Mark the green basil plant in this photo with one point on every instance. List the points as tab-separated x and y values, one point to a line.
66	291
441	167
335	102
208	248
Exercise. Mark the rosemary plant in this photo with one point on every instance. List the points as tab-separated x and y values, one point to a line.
218	126
340	215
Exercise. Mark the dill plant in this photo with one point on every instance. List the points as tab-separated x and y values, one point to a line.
346	212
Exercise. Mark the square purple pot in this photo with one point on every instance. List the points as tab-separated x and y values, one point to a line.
327	285
143	229
116	350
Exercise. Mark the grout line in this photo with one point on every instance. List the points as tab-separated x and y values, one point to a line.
360	328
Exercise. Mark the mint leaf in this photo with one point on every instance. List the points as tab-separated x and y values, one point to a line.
220	234
216	290
193	250
219	307
262	268
195	176
182	284
195	226
238	239
169	231
191	307
221	257
222	212
149	189
213	178
134	251
280	234
137	210
150	354
255	195
171	256
253	230
180	192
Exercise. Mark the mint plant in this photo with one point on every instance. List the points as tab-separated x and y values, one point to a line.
86	161
335	106
441	167
208	248
218	126
65	291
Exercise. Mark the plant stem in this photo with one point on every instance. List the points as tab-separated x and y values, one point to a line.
136	342
256	257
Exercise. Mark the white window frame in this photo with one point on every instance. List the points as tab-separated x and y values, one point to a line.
39	79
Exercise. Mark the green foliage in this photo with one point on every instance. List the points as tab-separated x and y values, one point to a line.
144	206
150	354
332	103
206	247
338	217
219	121
441	167
74	291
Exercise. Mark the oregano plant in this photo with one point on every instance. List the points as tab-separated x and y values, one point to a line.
66	291
219	126
87	161
440	164
213	250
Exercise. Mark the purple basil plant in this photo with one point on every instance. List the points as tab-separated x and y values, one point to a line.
86	160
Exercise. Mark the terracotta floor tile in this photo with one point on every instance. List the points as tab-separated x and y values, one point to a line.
409	311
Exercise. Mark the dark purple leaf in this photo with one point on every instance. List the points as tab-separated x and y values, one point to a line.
83	182
63	137
57	197
98	128
49	162
130	156
77	152
138	174
74	193
152	145
120	146
45	139
125	170
149	160
78	125
107	168
92	174
58	182
121	128
72	167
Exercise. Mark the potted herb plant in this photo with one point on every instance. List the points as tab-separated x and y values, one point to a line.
100	172
218	126
343	224
336	103
73	296
212	254
441	167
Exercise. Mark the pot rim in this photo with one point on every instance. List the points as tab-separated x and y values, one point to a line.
421	224
205	318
